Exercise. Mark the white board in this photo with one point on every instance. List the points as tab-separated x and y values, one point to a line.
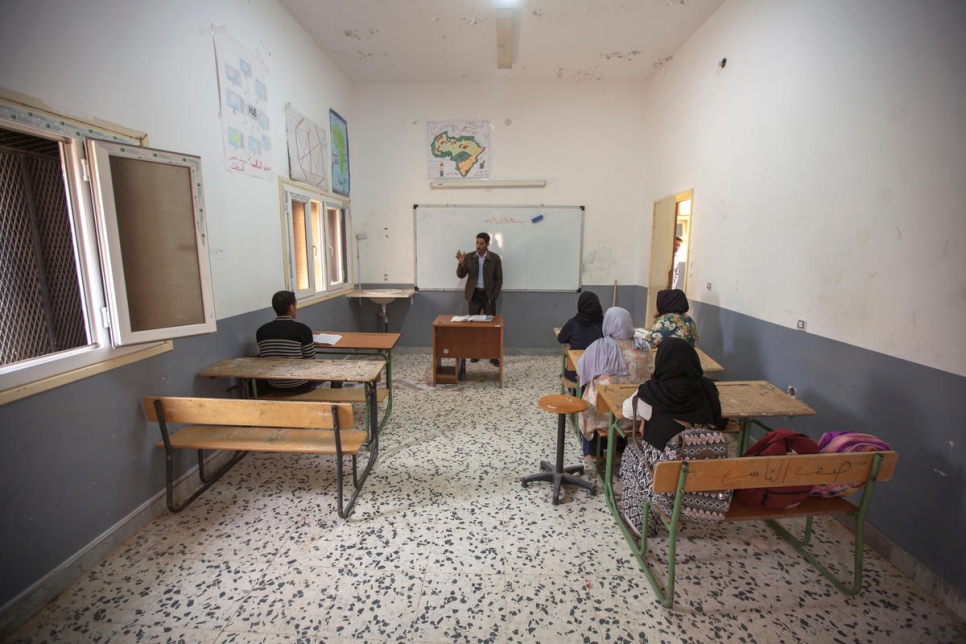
541	255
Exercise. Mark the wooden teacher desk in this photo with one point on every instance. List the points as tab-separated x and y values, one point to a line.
379	345
461	340
364	371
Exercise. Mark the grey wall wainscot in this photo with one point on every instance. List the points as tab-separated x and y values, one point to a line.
79	459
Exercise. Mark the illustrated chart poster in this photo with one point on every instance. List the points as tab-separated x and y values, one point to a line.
340	153
245	127
308	146
458	149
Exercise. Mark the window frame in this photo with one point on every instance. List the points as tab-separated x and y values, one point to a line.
290	191
29	377
99	154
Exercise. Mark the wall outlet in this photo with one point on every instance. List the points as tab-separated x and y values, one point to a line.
800	325
791	391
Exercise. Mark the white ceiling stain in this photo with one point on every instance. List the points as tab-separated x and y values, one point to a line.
607	40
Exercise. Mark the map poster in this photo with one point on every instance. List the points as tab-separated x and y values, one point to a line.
459	149
243	89
340	153
308	147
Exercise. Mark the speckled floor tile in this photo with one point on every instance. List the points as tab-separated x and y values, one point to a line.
550	608
461	608
290	599
445	545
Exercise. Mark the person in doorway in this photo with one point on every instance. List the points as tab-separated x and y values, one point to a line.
283	337
671	319
674	275
484	278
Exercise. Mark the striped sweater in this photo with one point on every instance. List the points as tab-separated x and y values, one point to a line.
283	337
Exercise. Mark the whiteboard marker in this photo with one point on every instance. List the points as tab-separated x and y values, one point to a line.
537	218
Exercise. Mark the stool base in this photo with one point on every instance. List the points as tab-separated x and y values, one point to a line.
548	473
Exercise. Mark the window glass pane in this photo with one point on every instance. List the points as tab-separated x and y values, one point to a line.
298	242
335	250
318	242
156	227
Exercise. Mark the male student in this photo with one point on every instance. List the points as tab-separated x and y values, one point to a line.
484	273
283	337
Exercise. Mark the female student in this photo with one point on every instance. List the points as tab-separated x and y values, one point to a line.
671	319
609	360
676	398
584	328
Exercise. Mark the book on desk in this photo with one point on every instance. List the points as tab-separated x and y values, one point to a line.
472	318
326	338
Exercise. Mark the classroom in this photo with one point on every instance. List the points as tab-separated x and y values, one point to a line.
822	148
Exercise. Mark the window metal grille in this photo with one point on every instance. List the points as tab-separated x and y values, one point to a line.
41	310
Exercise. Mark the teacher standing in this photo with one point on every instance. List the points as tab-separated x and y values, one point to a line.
484	274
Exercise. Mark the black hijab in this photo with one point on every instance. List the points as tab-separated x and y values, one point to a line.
678	391
672	301
589	310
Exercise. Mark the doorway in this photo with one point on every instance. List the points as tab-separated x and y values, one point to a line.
670	246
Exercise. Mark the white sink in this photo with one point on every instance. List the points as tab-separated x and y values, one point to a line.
383	296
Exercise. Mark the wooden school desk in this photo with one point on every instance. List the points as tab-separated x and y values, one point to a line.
461	340
379	345
708	365
741	399
364	371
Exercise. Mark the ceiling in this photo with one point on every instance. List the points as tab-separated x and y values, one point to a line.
383	41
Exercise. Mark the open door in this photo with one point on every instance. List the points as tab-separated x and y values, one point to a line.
672	217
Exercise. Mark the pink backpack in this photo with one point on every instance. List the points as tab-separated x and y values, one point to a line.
778	443
839	442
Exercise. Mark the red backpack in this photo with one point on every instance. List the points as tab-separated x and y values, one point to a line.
778	443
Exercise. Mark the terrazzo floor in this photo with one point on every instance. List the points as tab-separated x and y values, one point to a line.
445	545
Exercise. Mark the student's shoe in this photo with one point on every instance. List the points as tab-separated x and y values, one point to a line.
494	362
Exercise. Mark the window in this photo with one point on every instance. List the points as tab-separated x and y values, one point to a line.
40	307
316	228
103	253
151	225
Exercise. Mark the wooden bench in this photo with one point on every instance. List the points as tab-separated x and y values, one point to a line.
678	477
258	426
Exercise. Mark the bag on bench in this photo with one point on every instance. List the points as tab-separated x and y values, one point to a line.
778	443
838	442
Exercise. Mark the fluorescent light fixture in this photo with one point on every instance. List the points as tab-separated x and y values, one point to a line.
505	37
488	183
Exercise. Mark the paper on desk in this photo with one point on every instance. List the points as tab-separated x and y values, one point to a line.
326	338
472	318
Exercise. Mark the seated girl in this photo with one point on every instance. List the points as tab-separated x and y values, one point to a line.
676	398
609	360
581	330
672	319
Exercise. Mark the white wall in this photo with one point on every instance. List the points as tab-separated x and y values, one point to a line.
828	159
584	139
150	66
